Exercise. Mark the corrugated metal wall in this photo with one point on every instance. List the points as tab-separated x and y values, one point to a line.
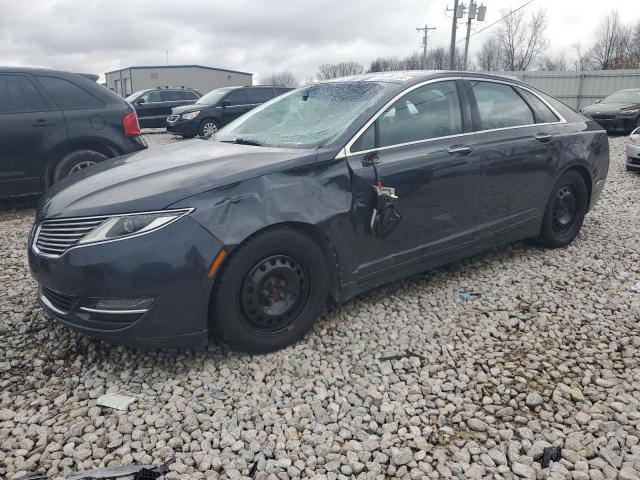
578	89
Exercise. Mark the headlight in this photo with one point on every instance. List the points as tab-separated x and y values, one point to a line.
122	226
630	112
191	115
635	138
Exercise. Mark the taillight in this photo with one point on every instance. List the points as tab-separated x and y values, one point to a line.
130	124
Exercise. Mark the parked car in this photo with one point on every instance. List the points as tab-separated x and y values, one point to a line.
54	123
154	105
324	192
217	108
633	150
617	113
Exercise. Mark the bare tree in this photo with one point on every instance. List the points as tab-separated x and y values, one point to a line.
554	63
436	59
613	44
285	79
342	69
581	58
490	57
522	40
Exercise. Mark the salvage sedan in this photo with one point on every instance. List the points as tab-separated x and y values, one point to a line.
617	113
321	193
633	151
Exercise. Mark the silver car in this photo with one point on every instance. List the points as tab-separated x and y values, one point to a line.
633	151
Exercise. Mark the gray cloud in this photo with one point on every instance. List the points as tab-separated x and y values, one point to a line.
258	36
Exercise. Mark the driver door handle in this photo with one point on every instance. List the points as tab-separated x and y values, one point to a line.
544	137
460	150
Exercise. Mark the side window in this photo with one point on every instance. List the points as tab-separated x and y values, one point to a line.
427	112
188	95
543	113
500	106
171	96
237	97
19	95
153	96
260	95
280	91
68	95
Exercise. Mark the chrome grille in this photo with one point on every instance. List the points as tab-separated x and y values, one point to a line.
173	118
55	237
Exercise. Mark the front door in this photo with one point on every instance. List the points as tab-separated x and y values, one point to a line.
236	103
423	147
29	126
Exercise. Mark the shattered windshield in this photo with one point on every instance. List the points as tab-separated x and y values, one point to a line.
306	118
213	96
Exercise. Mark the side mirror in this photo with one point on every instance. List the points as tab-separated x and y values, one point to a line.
599	100
140	101
226	103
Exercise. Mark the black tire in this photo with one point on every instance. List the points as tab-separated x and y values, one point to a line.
208	123
565	210
292	258
76	161
187	137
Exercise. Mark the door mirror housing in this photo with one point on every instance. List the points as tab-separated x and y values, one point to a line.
599	100
140	101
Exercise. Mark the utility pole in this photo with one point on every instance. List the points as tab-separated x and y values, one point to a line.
426	29
473	13
454	25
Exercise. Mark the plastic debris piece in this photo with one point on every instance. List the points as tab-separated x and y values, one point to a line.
636	287
464	293
401	356
35	476
550	454
115	401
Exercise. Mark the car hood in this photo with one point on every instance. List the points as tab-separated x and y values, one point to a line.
155	178
609	107
189	108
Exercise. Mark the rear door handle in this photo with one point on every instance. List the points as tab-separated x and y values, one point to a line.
544	137
460	150
41	122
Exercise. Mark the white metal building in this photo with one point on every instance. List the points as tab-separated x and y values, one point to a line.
131	79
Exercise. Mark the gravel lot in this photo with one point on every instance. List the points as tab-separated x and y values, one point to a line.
406	381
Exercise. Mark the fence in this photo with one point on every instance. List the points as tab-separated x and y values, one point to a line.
578	89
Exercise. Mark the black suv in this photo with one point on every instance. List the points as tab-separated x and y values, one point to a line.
154	105
217	108
53	123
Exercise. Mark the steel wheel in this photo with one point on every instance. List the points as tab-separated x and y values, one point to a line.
81	166
209	128
564	209
273	293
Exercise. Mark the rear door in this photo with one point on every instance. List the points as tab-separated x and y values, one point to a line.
234	104
425	149
258	96
30	125
518	146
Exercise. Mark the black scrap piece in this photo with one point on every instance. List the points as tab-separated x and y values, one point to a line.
401	356
550	454
35	476
154	472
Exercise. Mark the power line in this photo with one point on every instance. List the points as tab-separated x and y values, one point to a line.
501	20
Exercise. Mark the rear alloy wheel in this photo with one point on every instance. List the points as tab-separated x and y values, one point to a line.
76	161
270	291
565	210
208	127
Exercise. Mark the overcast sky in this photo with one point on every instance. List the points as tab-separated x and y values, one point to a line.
259	36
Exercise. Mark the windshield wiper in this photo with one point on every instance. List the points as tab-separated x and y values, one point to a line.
247	141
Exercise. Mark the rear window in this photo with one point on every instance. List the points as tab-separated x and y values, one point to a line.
260	95
19	95
67	95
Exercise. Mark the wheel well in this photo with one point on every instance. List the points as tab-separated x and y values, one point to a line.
587	179
317	235
59	152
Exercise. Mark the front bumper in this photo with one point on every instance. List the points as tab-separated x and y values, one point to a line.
189	128
633	156
617	124
170	265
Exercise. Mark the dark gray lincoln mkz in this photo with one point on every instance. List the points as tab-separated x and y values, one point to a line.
323	192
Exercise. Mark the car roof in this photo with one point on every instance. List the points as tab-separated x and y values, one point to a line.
42	71
410	77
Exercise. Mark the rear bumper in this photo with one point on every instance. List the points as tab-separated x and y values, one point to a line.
132	144
170	265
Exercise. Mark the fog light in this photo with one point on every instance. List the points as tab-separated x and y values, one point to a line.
120	305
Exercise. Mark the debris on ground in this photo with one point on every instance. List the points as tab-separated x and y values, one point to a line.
115	401
464	293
